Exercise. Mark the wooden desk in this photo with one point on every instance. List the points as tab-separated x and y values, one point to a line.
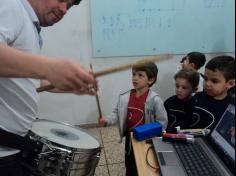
140	152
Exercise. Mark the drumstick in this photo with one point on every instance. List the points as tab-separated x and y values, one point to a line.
97	100
118	68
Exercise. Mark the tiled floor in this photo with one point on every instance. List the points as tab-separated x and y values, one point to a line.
112	156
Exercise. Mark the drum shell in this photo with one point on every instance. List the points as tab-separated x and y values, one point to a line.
59	160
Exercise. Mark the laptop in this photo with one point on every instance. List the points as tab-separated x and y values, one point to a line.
213	155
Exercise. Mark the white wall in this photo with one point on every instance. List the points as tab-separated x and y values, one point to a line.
71	38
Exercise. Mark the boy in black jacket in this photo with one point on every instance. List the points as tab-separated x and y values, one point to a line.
179	107
210	105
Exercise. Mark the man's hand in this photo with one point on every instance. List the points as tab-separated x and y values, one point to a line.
70	76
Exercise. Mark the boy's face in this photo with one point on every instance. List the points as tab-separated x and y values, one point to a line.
183	89
216	85
187	65
141	80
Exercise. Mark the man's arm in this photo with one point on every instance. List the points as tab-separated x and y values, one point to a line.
90	91
14	63
65	75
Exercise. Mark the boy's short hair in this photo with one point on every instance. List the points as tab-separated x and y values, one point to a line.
183	59
199	59
149	68
77	2
223	64
191	75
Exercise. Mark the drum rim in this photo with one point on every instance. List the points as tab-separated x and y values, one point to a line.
57	145
62	123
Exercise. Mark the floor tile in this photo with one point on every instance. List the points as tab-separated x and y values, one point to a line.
112	155
114	152
101	171
102	160
110	134
117	169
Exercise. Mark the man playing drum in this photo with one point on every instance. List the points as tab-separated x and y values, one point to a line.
22	68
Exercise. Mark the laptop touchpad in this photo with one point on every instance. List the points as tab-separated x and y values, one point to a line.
168	159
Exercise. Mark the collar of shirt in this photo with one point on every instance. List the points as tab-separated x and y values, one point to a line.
143	97
33	18
37	25
30	11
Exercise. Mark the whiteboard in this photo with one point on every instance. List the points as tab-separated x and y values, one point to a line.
150	27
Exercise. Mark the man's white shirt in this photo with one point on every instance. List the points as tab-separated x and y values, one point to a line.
18	96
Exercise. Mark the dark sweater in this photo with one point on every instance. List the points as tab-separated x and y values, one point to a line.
207	110
179	112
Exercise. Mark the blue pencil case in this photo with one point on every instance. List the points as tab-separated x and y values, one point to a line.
147	131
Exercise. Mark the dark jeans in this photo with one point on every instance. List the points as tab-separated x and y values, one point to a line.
11	166
130	164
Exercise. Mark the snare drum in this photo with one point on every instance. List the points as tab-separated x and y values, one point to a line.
67	150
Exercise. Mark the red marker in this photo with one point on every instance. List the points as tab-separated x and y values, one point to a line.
177	135
183	138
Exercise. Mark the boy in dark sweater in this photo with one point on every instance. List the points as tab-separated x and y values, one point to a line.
210	105
179	107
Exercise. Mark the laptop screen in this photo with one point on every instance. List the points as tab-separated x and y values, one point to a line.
223	137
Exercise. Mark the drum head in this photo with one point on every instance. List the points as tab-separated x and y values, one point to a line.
64	134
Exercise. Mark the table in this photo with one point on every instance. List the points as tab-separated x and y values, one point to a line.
140	152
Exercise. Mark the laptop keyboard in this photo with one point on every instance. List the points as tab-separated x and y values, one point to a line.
195	160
